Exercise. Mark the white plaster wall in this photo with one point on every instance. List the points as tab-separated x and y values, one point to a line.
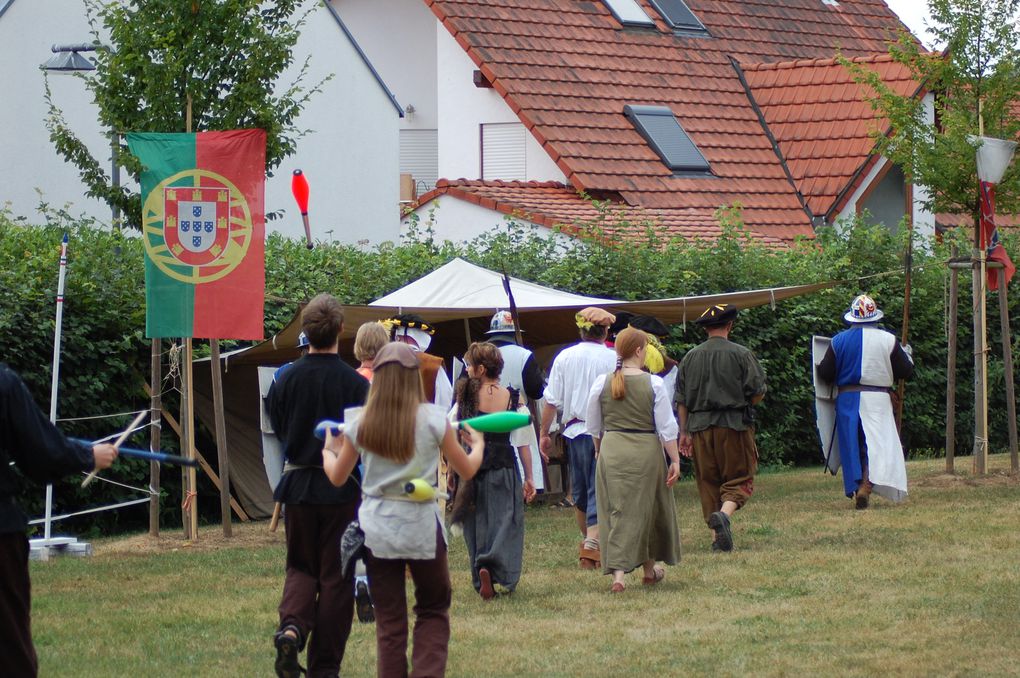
464	107
351	156
28	160
399	38
459	221
850	209
924	221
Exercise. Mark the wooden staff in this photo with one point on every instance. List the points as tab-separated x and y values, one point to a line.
908	267
123	436
275	520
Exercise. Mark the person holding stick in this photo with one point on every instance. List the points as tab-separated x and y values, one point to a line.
522	374
865	361
42	453
399	438
317	606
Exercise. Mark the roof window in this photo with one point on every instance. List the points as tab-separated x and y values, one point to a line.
678	15
663	132
629	13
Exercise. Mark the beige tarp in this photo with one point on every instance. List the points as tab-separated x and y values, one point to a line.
459	299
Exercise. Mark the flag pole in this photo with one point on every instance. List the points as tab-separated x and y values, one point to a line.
189	505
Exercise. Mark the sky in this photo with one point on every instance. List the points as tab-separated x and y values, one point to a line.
913	13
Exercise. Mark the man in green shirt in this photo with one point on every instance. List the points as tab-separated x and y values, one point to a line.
718	384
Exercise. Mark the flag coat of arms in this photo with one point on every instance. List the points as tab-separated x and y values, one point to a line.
203	225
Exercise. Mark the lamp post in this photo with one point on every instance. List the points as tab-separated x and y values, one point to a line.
66	60
993	157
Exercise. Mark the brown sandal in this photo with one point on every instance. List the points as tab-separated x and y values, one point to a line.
589	558
617	587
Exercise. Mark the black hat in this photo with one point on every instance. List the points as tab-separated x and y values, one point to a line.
410	321
717	314
623	319
647	323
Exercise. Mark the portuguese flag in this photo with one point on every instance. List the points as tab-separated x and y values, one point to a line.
203	225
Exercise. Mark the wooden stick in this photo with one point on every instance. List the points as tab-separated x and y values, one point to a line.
222	458
189	500
275	520
1007	363
123	436
908	269
156	406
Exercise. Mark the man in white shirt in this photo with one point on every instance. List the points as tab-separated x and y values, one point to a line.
573	372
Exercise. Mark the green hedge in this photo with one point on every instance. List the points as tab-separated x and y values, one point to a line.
105	355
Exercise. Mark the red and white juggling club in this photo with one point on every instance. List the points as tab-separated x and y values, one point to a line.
299	187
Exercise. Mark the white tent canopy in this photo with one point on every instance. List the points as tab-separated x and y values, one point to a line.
462	285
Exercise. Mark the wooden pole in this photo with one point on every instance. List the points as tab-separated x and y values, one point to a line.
156	405
1007	363
190	499
954	293
980	334
980	464
908	269
222	457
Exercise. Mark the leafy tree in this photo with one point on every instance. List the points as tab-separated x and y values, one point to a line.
221	57
975	80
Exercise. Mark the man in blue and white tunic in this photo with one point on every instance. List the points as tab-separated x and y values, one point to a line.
864	361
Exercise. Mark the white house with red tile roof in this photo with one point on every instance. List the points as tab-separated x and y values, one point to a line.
578	93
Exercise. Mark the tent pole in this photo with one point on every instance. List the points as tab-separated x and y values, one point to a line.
222	457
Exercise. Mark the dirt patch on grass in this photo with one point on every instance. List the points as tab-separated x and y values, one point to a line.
245	535
950	480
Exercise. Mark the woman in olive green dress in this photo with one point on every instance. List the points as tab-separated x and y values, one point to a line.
630	418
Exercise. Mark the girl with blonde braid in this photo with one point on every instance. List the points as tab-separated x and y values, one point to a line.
631	421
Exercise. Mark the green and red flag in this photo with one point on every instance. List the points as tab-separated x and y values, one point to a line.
203	224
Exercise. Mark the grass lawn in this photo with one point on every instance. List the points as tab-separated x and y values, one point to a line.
930	587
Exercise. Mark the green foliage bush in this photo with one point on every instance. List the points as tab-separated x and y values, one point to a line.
105	355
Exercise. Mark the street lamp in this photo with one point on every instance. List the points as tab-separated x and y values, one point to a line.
993	157
66	60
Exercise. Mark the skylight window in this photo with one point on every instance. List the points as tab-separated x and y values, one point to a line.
678	15
629	13
663	132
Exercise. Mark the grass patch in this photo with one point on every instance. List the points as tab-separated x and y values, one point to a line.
813	588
